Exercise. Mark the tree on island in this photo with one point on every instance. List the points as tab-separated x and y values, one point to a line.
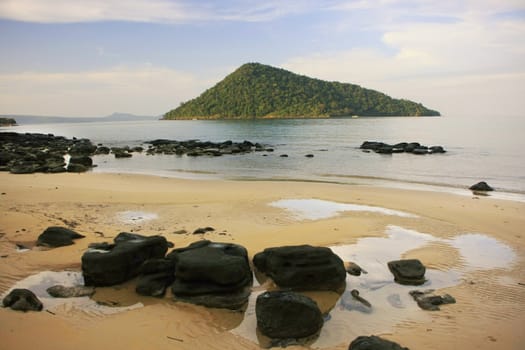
260	91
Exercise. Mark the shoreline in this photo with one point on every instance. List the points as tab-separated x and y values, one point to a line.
490	309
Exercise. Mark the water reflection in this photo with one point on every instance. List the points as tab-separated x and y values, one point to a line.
315	209
390	302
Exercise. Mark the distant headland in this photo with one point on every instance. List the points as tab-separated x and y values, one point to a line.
255	90
7	121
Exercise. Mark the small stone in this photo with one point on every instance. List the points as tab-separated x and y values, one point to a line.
481	186
22	300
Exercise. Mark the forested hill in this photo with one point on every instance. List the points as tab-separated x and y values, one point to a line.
259	91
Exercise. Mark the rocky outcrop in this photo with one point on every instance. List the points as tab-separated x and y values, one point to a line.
212	274
374	343
122	260
302	267
22	300
195	148
481	186
287	315
427	301
56	236
412	147
409	271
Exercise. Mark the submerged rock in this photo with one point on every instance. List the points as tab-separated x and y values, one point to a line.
427	301
374	343
212	274
56	236
287	315
22	300
353	269
59	291
302	267
409	271
121	261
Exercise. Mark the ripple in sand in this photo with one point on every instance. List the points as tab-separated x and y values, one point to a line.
315	209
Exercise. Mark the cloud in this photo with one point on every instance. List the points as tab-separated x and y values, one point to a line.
477	60
144	90
162	11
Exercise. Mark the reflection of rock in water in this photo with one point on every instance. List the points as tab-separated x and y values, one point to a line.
395	301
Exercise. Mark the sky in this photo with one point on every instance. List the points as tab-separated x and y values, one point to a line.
96	57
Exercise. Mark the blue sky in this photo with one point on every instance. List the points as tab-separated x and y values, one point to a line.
93	58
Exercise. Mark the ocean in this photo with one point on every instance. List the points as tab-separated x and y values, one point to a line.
478	149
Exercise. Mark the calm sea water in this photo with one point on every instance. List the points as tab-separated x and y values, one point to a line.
477	149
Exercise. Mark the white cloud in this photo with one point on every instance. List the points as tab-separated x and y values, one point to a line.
163	11
145	90
475	63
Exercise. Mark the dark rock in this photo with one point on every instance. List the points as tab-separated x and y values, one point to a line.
374	343
83	160
82	147
122	261
287	315
410	147
420	151
437	149
354	269
156	275
385	149
203	230
212	274
283	156
60	291
22	300
121	153
56	236
481	186
102	150
309	156
302	267
24	167
76	168
409	271
427	301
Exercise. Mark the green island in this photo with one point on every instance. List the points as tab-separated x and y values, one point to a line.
255	90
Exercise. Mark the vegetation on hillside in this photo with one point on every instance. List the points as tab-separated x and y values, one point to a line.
259	91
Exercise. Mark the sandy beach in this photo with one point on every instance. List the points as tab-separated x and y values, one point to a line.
473	244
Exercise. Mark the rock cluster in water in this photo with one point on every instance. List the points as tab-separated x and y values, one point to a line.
195	148
407	147
219	275
45	153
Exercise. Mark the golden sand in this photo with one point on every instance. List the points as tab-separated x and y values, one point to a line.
490	308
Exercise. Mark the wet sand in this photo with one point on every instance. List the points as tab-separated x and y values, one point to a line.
472	246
